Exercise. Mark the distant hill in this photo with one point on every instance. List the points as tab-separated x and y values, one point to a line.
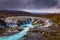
14	13
23	13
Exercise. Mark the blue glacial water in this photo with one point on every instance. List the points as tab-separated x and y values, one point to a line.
18	36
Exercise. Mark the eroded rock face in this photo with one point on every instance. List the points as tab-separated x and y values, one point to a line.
18	23
45	30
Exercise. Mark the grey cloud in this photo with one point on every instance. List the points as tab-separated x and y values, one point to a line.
28	4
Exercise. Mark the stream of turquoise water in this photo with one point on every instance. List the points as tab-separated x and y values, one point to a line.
18	36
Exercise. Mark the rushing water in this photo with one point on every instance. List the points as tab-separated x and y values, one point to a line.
26	26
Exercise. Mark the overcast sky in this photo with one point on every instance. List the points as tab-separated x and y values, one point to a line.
31	5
